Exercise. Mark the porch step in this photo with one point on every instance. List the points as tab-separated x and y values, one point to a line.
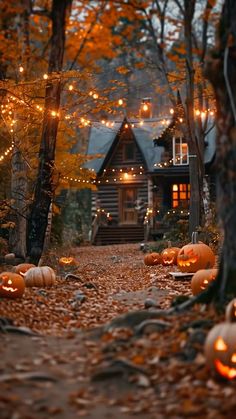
119	234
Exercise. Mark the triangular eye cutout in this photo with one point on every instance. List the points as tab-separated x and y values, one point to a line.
233	358
220	345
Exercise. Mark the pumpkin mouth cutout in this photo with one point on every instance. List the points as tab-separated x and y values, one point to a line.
225	370
187	259
204	285
10	289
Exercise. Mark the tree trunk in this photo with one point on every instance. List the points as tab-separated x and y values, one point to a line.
19	182
44	185
221	71
19	186
196	158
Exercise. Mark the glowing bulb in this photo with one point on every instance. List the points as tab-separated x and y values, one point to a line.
53	113
70	87
120	102
45	76
171	111
21	69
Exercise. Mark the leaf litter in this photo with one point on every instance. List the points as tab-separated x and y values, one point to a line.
106	354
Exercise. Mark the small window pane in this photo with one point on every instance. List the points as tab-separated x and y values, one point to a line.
129	151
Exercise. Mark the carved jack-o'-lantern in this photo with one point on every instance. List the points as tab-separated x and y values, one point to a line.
12	285
67	261
152	259
195	256
169	255
220	345
22	268
201	279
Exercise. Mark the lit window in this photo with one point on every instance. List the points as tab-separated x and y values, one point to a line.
180	151
180	195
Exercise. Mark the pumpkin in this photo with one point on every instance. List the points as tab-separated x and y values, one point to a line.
67	261
23	267
152	259
43	276
220	345
201	279
169	255
195	256
12	285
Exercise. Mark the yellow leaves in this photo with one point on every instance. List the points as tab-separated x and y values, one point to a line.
122	70
9	224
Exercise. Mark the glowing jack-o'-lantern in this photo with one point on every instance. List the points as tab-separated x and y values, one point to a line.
220	345
152	259
195	256
201	279
67	261
22	268
12	285
169	255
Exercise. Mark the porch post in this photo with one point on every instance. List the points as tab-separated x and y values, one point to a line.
150	198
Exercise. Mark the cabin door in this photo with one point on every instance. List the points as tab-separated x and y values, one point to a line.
128	213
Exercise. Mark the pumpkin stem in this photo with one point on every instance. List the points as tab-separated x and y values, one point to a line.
169	244
194	237
230	312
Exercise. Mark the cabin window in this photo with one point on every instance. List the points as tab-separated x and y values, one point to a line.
128	152
180	195
180	151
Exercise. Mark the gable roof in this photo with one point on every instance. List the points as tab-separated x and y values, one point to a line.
102	137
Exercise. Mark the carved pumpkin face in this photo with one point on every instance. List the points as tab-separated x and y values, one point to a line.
169	256
11	285
152	259
220	345
22	268
201	280
193	257
67	261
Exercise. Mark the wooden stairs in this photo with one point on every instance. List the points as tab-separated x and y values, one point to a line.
113	234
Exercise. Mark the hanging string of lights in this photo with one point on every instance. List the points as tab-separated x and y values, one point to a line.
7	109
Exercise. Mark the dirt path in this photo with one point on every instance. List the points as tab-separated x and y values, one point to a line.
76	367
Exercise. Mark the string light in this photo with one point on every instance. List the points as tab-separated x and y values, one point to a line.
6	152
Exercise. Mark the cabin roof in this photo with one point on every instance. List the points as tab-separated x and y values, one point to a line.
102	137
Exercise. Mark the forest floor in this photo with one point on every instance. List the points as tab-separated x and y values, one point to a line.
69	353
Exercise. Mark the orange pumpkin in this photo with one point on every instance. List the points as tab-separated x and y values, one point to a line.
201	279
195	256
220	345
12	285
23	267
152	259
169	256
67	261
43	276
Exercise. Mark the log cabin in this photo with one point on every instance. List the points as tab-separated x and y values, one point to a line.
142	173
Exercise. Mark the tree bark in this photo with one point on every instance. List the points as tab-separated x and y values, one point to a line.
19	181
44	184
19	186
221	71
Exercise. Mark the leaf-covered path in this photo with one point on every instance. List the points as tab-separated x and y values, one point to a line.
83	363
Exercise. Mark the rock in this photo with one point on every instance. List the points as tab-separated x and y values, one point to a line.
10	256
149	302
